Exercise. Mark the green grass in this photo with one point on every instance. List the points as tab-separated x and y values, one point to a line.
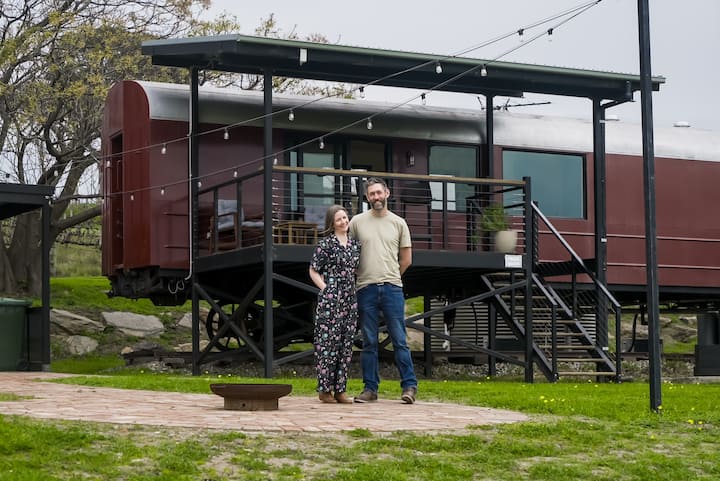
576	431
89	295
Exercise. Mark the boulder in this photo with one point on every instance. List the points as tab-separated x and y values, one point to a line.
137	325
65	322
79	345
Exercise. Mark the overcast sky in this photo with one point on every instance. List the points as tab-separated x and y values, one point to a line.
684	39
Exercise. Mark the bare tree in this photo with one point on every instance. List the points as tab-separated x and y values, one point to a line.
58	59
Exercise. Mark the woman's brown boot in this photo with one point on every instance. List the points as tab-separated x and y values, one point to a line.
326	397
343	398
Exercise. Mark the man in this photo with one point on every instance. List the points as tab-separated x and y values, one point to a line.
385	255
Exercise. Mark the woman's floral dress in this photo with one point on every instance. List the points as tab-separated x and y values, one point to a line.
336	314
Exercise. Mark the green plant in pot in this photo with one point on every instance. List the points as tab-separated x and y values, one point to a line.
495	221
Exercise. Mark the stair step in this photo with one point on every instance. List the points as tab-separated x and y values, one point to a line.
586	373
579	359
567	348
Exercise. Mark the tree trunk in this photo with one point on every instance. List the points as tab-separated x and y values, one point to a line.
21	261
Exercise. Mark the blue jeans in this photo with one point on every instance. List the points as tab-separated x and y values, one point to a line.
388	299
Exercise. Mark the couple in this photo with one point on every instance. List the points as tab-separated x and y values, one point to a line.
386	255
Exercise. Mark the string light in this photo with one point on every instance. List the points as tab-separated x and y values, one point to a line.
362	92
275	161
235	174
322	143
199	184
132	196
438	69
423	99
107	164
521	34
226	134
162	191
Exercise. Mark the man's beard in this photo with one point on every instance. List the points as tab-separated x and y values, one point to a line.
379	204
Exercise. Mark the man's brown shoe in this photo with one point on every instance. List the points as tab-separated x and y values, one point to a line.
408	395
343	398
366	397
326	397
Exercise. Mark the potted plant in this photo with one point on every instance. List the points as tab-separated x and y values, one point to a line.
495	221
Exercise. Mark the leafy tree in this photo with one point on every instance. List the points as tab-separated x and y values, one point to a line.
58	59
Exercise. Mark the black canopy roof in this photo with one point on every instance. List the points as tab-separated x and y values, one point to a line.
16	199
307	60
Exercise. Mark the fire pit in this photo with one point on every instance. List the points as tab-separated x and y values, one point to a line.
251	397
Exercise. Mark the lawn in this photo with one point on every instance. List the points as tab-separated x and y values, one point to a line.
577	431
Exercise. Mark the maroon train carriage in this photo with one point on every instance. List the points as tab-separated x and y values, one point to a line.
435	161
146	213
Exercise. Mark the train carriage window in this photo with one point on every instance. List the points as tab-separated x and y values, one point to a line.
558	180
452	161
315	192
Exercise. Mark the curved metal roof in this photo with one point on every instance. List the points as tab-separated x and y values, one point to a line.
340	63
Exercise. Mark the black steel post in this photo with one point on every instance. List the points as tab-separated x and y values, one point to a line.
649	186
427	339
193	154
268	216
489	137
45	294
529	235
601	311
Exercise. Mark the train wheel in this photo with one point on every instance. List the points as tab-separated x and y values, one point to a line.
245	321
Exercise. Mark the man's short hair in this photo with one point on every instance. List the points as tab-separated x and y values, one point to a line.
375	180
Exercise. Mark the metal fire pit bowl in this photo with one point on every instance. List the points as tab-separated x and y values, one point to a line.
251	397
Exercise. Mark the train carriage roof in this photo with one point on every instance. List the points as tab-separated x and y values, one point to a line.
228	106
357	65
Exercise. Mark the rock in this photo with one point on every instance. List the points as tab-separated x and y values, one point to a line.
186	320
137	325
187	347
71	323
79	345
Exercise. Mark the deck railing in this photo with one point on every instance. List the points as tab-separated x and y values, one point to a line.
443	212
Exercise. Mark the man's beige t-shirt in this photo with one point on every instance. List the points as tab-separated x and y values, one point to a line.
381	239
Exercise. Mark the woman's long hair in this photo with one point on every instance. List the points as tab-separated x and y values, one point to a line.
330	218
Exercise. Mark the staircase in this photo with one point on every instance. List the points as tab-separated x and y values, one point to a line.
566	339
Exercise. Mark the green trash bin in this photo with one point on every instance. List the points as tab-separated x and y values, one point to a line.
13	334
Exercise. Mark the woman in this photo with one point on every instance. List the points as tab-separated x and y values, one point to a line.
332	270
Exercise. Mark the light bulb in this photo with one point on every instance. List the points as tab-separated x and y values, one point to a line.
275	162
162	191
132	196
226	134
483	71
362	92
550	34
199	184
291	116
438	68
107	164
423	99
163	150
521	33
235	174
369	124
322	143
